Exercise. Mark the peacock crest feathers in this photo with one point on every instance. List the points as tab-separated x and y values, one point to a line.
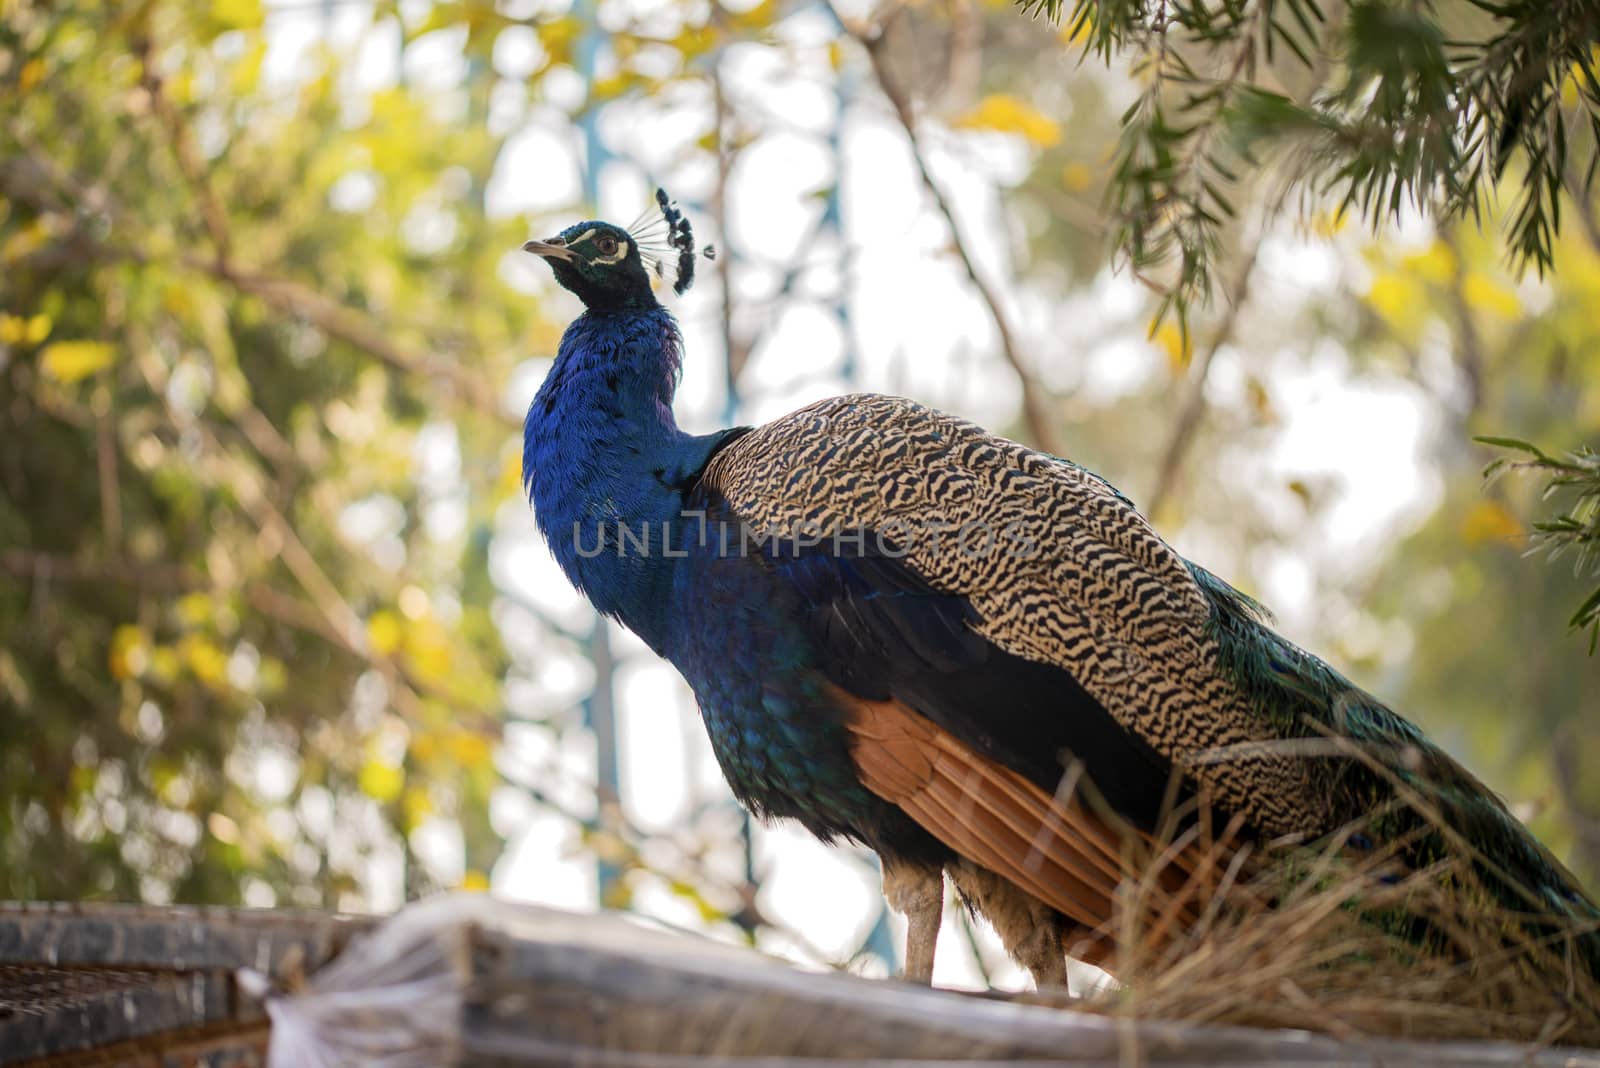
665	239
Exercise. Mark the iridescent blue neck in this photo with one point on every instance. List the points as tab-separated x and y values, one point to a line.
602	454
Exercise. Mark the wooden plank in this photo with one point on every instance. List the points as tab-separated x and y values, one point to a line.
588	989
75	978
512	985
177	938
553	988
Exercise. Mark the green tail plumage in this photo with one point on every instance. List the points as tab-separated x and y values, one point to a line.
1386	777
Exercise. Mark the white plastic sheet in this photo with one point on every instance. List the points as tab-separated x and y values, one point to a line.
393	999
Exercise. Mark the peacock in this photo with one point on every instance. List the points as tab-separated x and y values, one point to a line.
976	659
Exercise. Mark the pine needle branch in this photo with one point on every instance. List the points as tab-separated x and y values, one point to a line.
1574	480
1408	105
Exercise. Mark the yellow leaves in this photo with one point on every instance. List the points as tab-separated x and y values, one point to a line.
1329	224
1176	343
381	782
71	361
421	639
471	750
246	70
384	632
557	37
1485	294
130	652
1440	281
466	749
1436	263
183	87
389	138
424	746
204	659
176	299
1573	83
508	483
1260	400
1397	298
1074	32
26	240
30	75
709	912
428	649
694	41
609	88
1491	521
1077	176
236	14
417	803
135	655
17	330
272	677
164	664
194	609
759	17
1008	114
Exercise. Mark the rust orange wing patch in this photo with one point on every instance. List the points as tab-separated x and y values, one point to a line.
1053	848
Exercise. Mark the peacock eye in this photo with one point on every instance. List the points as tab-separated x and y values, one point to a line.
606	244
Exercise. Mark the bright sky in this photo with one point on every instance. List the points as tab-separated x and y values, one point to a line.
919	330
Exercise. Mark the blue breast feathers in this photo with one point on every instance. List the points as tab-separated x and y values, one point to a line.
605	465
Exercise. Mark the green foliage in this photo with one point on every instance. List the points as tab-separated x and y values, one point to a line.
235	658
1481	671
1574	480
255	449
1377	105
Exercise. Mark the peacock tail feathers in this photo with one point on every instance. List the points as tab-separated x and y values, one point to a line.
1389	781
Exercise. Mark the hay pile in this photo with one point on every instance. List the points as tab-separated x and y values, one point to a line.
1324	938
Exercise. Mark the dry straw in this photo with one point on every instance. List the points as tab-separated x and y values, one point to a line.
1353	943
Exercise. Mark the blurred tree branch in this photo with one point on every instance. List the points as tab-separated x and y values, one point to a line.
1470	351
1036	413
334	317
1192	408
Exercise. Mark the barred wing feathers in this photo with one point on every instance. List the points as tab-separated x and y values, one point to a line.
1059	570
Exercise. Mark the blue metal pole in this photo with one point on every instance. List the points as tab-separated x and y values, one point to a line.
600	709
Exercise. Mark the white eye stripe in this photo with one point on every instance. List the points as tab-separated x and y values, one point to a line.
624	246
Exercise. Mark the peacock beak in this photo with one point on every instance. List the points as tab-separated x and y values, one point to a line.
553	249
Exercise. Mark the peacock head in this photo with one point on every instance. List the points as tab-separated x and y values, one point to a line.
609	267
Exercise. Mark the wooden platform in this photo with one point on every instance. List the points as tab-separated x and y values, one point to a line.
129	985
465	980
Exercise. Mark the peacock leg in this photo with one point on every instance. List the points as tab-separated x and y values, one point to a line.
918	894
1032	932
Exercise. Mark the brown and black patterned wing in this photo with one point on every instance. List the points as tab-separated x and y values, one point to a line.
1046	563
